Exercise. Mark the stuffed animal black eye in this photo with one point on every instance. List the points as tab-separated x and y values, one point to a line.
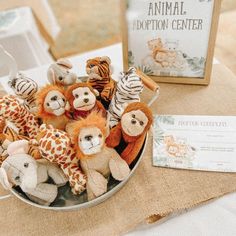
57	135
48	104
133	115
17	178
60	78
76	95
100	135
141	123
63	99
86	93
91	66
26	165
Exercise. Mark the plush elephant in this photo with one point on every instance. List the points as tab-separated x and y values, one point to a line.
20	169
59	73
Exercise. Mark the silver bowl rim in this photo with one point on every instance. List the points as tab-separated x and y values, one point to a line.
93	202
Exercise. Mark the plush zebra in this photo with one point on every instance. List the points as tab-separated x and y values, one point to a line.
25	88
128	90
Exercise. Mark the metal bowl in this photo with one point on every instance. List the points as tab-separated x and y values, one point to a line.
66	201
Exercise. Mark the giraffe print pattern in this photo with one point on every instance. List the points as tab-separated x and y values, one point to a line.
55	146
12	110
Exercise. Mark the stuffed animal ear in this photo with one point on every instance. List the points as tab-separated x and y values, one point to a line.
18	147
43	127
106	59
50	127
96	92
30	177
51	76
64	62
111	69
132	70
4	180
67	107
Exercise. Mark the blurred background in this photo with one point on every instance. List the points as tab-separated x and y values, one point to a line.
76	26
90	24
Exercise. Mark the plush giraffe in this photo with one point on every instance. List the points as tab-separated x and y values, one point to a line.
12	110
55	146
8	135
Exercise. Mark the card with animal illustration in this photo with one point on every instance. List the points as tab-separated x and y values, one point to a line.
195	142
169	38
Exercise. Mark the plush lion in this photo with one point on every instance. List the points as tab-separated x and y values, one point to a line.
52	106
82	100
129	134
99	72
96	159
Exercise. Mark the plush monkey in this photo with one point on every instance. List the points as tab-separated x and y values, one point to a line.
52	106
96	159
129	134
82	100
59	73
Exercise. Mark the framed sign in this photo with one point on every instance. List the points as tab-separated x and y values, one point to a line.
170	40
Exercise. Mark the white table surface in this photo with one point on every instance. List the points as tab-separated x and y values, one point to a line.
218	218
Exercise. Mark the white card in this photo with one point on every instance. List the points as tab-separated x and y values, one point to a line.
195	142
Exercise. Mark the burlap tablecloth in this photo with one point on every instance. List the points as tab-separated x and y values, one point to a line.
152	190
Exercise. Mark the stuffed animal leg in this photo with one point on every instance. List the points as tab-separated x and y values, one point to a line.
118	167
58	177
96	184
43	194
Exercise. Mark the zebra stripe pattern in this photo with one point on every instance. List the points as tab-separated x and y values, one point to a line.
128	90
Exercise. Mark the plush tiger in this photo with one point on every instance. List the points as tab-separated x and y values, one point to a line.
99	72
25	88
128	90
9	135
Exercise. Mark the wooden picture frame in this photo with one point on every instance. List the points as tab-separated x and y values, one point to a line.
206	73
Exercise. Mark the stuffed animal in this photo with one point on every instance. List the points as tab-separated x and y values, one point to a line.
52	106
56	147
7	136
59	73
25	88
12	110
99	72
96	159
131	131
20	169
128	90
82	99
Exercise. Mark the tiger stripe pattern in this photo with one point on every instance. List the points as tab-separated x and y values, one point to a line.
128	90
25	88
98	70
